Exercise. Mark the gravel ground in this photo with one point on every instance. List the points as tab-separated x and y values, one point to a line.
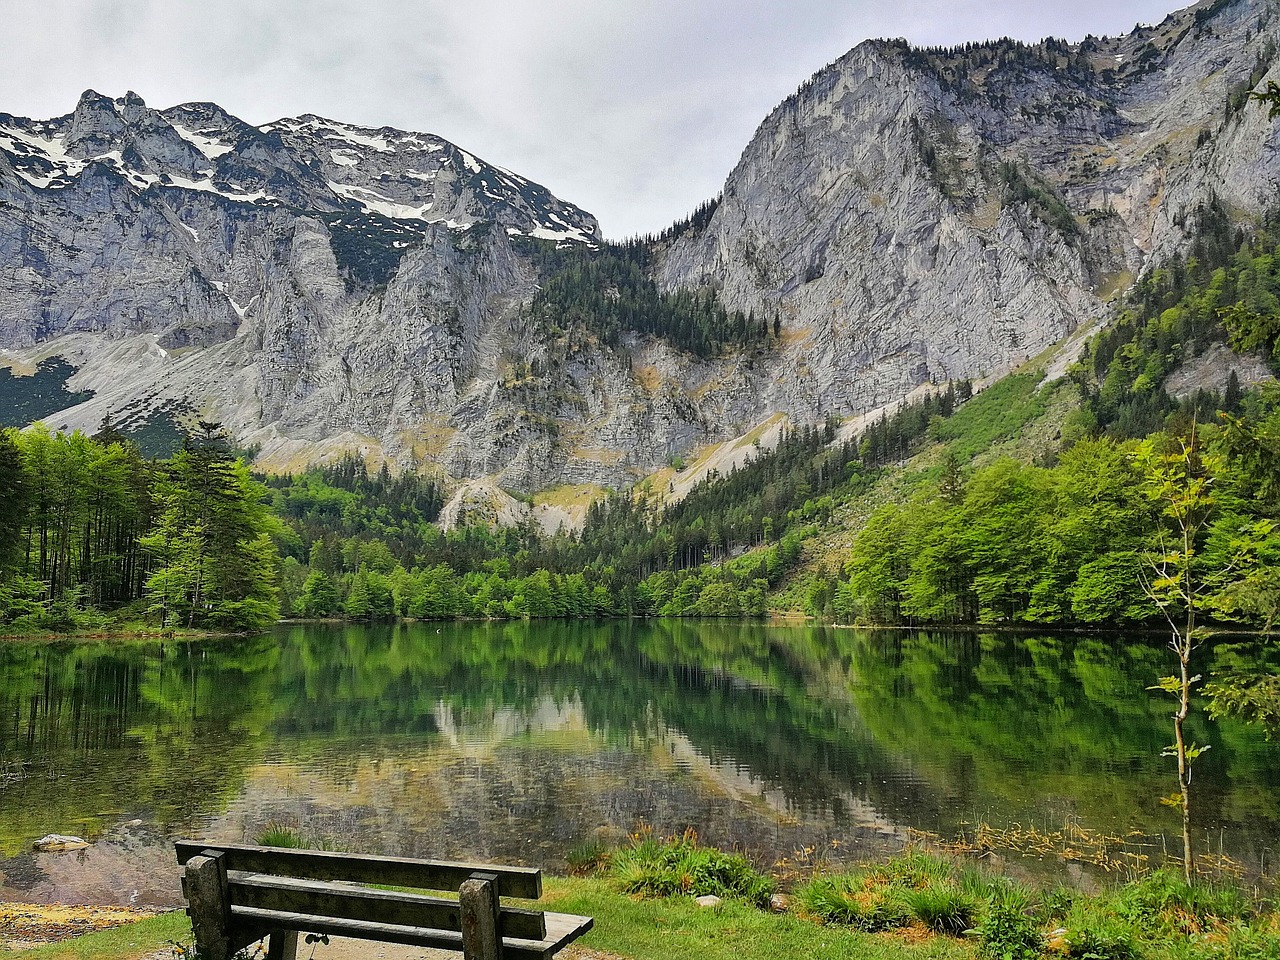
24	925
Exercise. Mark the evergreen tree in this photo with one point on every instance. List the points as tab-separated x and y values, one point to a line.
15	492
318	597
215	558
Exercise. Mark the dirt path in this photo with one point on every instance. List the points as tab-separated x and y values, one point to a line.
25	925
341	948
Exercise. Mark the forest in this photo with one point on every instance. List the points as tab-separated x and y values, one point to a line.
1064	537
608	291
90	526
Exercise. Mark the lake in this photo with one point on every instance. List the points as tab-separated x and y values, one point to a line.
533	742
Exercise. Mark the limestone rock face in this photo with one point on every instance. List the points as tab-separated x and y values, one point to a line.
907	217
916	216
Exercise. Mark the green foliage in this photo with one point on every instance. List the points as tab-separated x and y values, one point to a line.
1012	542
1227	288
1074	542
72	525
767	506
1252	696
16	485
211	544
318	598
886	896
95	527
607	291
679	866
997	413
898	436
25	400
1009	929
368	247
343	500
1040	198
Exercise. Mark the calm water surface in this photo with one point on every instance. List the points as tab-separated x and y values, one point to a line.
522	742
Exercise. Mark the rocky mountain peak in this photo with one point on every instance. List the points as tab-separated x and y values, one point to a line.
94	127
907	217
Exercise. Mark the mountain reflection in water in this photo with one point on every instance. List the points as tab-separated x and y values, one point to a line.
520	742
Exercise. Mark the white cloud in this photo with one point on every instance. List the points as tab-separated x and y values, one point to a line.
634	109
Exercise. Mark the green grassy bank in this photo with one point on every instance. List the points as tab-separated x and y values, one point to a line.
912	906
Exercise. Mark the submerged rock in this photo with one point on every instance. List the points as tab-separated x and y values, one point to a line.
57	841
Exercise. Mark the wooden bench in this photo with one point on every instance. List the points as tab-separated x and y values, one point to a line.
237	894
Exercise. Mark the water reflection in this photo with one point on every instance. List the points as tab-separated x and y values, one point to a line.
520	741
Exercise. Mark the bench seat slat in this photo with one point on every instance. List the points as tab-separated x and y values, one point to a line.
562	929
290	895
523	882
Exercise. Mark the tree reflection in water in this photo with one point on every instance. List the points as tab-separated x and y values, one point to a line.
520	741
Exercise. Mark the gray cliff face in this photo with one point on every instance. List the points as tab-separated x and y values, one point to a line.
909	216
918	216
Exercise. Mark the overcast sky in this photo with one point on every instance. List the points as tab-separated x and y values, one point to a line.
634	109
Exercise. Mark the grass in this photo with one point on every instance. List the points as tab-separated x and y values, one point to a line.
120	943
997	413
643	929
678	929
936	908
681	866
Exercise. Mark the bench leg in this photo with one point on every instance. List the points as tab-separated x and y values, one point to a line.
282	945
478	903
205	886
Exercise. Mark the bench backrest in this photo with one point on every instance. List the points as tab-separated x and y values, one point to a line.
523	882
239	893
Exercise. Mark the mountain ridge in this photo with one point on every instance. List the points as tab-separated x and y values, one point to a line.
906	218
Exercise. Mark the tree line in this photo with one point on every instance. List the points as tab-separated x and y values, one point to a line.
89	525
1068	543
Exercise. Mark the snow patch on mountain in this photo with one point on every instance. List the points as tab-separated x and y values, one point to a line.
209	146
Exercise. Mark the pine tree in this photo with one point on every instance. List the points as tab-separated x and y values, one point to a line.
215	558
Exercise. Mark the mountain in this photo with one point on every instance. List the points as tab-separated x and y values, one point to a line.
908	217
924	215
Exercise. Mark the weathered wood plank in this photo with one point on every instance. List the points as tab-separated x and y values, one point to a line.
478	899
204	883
562	929
292	895
523	882
567	928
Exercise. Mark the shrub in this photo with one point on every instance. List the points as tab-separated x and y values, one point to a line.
1009	929
854	900
679	866
1164	900
942	907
